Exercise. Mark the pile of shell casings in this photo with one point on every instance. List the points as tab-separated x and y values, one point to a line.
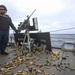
24	56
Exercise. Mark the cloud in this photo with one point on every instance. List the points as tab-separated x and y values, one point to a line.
51	14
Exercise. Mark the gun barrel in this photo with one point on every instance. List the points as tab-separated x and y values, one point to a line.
32	13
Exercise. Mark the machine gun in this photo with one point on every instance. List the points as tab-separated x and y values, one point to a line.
26	23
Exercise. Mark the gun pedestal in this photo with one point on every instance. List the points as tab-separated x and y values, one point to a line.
28	40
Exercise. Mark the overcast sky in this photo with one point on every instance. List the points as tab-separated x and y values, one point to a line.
52	14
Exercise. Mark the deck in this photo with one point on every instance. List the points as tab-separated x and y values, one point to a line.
36	63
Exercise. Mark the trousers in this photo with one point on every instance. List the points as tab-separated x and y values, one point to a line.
4	36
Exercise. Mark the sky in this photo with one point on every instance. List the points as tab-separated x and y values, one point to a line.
54	16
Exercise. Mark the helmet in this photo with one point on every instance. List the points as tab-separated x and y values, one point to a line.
3	7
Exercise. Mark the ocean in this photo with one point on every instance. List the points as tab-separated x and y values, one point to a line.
56	39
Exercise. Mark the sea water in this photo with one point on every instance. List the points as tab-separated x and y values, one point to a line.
58	39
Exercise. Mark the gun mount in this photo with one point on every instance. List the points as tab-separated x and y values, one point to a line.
26	25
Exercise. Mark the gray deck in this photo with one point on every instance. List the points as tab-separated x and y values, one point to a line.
39	59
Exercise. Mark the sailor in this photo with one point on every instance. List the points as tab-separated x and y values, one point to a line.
5	24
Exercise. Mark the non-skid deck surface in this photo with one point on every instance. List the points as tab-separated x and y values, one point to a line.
36	63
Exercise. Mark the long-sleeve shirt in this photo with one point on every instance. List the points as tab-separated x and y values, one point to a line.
6	22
